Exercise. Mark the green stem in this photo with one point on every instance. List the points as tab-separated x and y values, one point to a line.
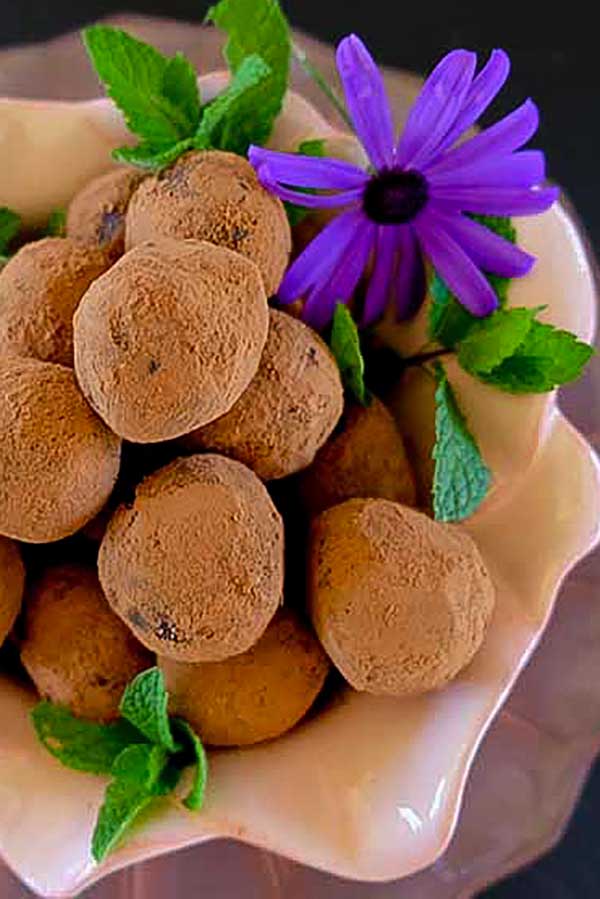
321	82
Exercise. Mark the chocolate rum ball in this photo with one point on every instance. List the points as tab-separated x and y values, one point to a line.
96	215
255	696
194	565
40	289
214	196
364	458
170	337
400	603
12	582
289	410
58	461
77	652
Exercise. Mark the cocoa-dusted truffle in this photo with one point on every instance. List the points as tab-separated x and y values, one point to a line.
365	459
255	696
214	196
58	461
400	603
96	215
76	651
40	289
288	411
170	337
195	564
12	581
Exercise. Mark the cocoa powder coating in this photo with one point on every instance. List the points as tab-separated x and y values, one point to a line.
195	564
170	337
12	582
76	650
365	458
255	696
214	196
288	411
40	289
58	461
401	603
96	215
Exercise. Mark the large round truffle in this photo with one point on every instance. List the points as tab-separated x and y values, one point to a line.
170	337
195	564
255	696
12	581
288	411
96	215
76	651
217	197
400	603
58	461
365	458
40	289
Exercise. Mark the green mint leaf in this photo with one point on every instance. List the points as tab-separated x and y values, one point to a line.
257	27
144	704
297	214
449	321
461	479
147	156
57	223
158	96
170	776
228	123
80	744
345	346
136	774
493	339
191	741
10	225
547	358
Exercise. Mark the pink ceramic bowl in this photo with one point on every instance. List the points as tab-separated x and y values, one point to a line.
371	788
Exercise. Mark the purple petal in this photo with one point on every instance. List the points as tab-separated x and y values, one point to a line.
483	91
320	257
461	275
308	171
367	100
436	108
487	250
500	139
410	282
378	291
319	308
524	169
309	201
498	200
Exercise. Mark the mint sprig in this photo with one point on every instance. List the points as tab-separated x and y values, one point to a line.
10	225
138	751
461	478
345	346
257	27
493	339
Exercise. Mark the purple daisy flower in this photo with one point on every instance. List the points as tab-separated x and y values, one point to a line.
411	204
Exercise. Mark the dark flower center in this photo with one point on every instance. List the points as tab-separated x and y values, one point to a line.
394	196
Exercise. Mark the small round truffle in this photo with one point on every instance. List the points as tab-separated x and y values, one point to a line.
40	289
169	338
96	215
76	651
58	461
195	564
366	458
288	411
12	581
401	603
255	696
214	196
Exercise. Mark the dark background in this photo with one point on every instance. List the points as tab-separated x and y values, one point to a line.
556	60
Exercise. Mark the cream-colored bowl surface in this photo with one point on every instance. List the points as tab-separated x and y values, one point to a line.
370	788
